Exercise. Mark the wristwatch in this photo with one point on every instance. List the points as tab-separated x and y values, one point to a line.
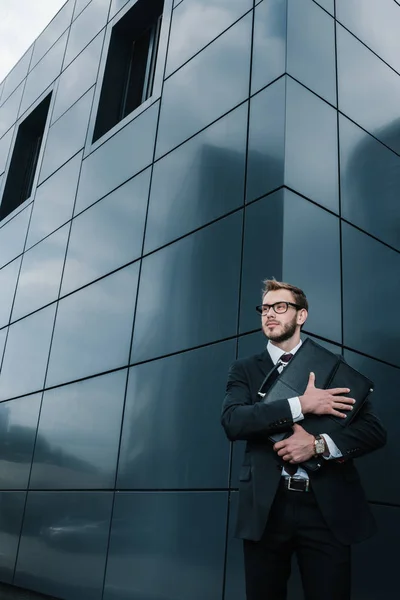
319	445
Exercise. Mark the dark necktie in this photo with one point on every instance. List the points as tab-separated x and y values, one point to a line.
284	359
290	469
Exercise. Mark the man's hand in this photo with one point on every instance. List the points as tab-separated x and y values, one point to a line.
298	447
325	402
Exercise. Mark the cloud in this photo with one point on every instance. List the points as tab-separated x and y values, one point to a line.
21	22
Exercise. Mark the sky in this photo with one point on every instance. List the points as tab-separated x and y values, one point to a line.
21	21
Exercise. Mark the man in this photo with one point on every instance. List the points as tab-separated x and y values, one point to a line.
283	509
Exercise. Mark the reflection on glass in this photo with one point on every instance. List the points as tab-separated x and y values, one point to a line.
269	43
12	509
107	235
311	155
52	32
93	328
177	457
375	24
13	235
199	181
205	88
43	74
311	41
144	536
369	171
186	275
78	435
54	201
9	110
328	5
86	26
17	74
122	156
64	543
79	6
8	282
368	273
265	163
368	90
18	424
196	23
26	354
5	144
40	277
72	85
67	136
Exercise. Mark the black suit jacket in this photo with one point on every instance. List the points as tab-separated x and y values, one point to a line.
336	484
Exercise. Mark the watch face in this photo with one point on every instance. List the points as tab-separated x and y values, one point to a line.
319	446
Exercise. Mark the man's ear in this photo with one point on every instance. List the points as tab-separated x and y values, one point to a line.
302	316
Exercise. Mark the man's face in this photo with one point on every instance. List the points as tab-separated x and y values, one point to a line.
281	327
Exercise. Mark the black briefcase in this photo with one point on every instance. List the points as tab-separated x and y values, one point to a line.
331	371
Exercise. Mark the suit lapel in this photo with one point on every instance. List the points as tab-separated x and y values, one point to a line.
264	362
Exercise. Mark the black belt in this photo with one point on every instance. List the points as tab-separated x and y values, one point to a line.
294	484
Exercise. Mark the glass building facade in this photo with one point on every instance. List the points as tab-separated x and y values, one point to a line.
266	143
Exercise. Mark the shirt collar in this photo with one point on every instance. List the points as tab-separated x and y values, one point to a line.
275	352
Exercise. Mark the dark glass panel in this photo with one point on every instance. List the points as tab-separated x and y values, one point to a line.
369	280
122	156
40	276
370	179
18	424
64	544
188	291
11	513
311	152
93	328
266	152
192	387
167	545
269	43
107	235
26	354
196	23
199	181
207	87
78	434
311	48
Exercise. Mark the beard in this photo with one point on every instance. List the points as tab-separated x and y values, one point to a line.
289	329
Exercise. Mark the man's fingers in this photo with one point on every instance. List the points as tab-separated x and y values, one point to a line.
342	400
311	380
279	446
336	391
287	457
341	406
336	413
297	428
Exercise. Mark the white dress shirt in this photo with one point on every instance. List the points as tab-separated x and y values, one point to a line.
295	407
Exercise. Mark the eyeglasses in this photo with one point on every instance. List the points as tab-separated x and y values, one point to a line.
278	307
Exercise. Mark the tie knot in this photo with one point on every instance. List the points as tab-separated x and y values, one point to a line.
286	357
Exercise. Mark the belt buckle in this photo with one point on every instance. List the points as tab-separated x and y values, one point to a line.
293	489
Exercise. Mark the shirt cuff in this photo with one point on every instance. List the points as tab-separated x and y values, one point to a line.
295	407
334	451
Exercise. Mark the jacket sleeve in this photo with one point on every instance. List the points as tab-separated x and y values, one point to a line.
243	419
365	434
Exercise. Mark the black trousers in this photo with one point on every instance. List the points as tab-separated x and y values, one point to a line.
295	526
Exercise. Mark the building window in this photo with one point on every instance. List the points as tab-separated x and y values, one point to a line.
21	173
131	64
